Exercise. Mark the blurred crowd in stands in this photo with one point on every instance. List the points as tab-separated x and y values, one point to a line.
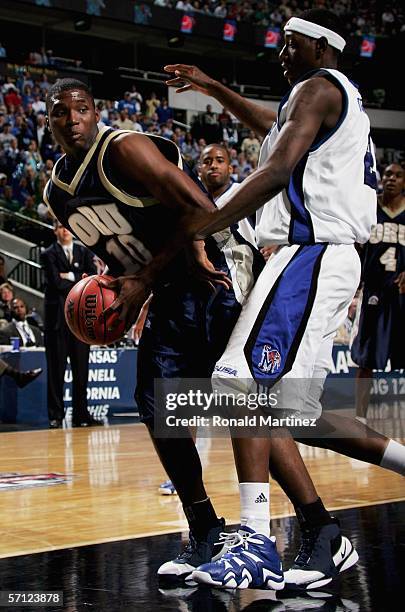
28	153
360	16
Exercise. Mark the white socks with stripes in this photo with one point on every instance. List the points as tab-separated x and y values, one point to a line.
255	506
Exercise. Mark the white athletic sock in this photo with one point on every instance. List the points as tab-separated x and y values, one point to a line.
394	457
255	506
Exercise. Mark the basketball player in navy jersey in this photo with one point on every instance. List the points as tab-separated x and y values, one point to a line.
316	121
126	196
382	317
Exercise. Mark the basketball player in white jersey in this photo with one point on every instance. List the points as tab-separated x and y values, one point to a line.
316	187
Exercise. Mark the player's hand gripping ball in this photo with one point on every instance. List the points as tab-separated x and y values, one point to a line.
85	314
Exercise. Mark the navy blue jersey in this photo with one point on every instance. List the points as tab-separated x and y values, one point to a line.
122	223
382	316
384	254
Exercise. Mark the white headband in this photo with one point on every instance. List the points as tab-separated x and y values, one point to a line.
295	24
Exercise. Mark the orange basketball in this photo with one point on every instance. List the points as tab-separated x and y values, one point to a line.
84	312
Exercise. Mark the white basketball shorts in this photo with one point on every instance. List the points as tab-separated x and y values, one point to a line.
287	325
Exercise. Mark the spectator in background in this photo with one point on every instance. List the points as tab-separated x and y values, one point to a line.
23	131
164	111
152	103
137	125
184	6
6	136
27	97
32	156
229	134
3	276
210	126
31	116
19	327
48	168
38	105
64	263
12	98
251	146
3	52
123	123
189	149
3	183
12	156
221	10
129	105
6	297
29	209
44	213
44	84
41	133
166	131
136	97
224	117
8	201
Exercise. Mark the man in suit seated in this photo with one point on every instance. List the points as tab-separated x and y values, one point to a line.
19	327
64	263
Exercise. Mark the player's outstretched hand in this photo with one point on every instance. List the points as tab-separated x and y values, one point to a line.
188	78
132	294
203	268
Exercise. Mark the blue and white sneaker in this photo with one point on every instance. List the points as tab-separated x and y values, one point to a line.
167	488
323	555
252	561
196	553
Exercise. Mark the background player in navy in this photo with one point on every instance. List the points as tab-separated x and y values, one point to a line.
382	317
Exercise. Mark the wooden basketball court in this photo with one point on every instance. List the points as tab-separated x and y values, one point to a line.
114	476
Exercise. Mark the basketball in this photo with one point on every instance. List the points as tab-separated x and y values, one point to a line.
85	316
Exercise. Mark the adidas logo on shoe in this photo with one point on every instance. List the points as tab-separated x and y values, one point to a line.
261	499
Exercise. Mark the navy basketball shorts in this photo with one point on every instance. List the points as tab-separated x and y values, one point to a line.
381	329
186	332
284	335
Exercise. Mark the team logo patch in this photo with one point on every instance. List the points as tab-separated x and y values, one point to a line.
373	300
16	480
270	361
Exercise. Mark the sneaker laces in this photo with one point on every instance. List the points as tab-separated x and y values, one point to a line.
231	540
189	548
309	537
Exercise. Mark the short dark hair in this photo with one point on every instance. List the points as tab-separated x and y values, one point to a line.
325	18
17	297
217	146
65	85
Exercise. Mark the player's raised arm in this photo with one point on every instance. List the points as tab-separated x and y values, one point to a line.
311	108
255	116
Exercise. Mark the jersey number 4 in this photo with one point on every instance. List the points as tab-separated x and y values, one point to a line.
388	260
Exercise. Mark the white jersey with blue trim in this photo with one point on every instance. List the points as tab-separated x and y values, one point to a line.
331	196
240	251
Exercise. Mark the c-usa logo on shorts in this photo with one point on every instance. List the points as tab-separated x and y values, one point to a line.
270	361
